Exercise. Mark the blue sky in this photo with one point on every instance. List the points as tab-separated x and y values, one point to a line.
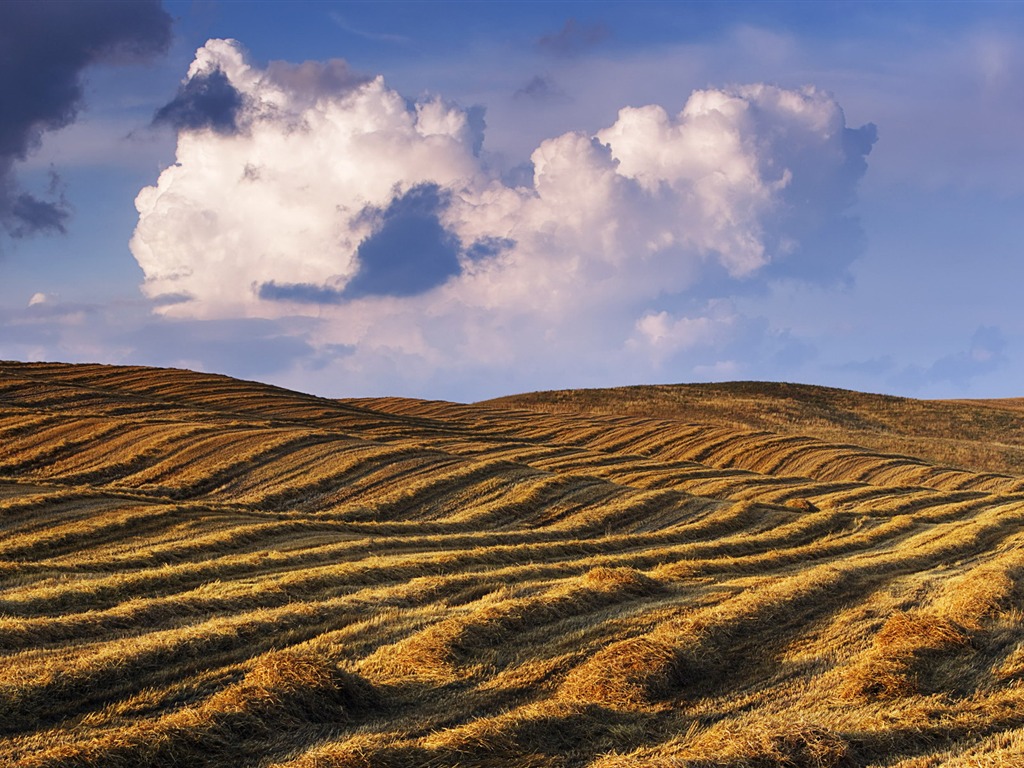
462	200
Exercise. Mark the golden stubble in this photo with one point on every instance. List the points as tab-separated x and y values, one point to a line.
201	571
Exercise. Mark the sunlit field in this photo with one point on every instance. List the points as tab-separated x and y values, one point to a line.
199	571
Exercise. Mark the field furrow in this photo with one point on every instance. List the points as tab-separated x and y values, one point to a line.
201	571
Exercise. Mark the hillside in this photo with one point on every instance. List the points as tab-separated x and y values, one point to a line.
201	571
981	435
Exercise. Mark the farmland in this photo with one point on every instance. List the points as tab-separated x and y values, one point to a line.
201	571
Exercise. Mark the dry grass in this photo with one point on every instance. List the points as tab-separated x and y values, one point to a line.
979	435
201	571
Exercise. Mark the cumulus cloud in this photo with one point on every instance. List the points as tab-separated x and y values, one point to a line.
332	197
665	334
45	48
290	196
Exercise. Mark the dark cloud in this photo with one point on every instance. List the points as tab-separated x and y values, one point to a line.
28	215
411	251
44	46
167	299
573	38
857	143
303	293
541	88
439	255
207	100
475	117
488	247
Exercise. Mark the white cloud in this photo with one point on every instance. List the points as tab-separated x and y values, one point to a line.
335	190
662	334
285	199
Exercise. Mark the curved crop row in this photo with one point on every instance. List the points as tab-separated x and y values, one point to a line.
201	571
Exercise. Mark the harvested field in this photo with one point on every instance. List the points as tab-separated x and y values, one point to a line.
200	571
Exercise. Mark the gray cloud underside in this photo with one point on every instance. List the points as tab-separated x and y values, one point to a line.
46	46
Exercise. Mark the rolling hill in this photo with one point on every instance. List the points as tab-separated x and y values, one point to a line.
200	571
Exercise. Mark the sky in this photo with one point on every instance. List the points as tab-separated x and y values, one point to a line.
461	200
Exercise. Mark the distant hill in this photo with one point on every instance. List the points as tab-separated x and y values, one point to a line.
981	435
201	571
